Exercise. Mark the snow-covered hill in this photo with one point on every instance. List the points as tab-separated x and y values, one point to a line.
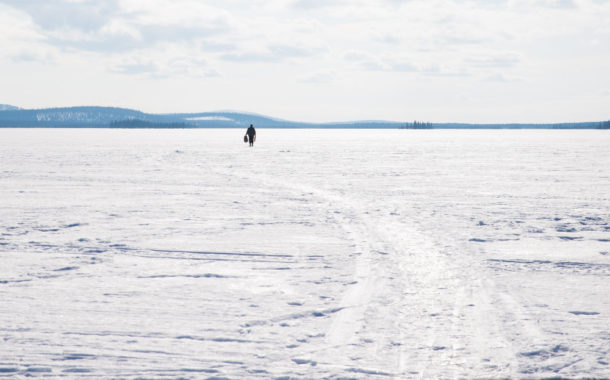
111	116
7	107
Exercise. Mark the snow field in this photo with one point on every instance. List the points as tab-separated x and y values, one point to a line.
314	254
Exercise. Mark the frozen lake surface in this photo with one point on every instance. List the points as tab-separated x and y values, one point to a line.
314	254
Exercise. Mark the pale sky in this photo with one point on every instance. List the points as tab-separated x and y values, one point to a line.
313	60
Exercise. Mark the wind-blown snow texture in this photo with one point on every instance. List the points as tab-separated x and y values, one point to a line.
353	254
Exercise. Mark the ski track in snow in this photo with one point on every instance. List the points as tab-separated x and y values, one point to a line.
315	254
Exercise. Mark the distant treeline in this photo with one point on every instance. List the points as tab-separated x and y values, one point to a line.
599	125
604	125
136	123
584	125
417	125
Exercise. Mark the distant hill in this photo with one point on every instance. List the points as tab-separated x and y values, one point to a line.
231	119
112	117
84	117
6	107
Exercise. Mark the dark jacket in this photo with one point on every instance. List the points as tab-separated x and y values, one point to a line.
251	132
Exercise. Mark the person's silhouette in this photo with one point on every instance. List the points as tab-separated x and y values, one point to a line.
251	132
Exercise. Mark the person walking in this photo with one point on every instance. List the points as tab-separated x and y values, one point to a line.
251	132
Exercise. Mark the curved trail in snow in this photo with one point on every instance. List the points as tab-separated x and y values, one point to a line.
421	303
403	312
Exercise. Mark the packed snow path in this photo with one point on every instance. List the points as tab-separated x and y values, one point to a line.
314	254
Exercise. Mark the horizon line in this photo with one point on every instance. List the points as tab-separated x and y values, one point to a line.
278	119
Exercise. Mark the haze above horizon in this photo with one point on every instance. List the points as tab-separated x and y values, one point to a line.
473	61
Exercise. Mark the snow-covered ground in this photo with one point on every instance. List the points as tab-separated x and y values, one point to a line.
314	254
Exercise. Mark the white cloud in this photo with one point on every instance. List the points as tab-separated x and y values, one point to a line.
84	15
319	77
111	26
312	4
20	40
496	78
500	60
137	68
557	4
388	62
272	53
446	71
